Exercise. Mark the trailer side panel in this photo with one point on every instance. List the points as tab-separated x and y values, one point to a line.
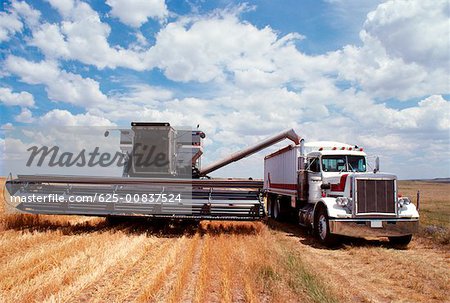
280	171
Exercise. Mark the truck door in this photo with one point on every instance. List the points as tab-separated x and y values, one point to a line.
314	179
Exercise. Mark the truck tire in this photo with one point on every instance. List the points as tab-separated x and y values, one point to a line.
269	201
322	228
401	241
276	209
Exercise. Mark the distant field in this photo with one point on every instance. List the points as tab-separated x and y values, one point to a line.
72	258
434	208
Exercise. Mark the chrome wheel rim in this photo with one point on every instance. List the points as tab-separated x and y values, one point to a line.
322	226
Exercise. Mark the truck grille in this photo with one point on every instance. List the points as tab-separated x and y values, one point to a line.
375	196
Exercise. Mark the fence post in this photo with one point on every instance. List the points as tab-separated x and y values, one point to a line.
418	200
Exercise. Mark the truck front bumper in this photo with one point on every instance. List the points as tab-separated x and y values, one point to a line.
373	227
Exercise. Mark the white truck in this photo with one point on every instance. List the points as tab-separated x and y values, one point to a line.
328	187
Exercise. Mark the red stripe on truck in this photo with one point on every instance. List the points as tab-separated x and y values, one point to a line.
283	186
341	185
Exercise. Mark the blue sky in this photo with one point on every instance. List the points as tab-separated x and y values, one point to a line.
371	73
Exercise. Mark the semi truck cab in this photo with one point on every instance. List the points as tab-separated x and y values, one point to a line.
335	193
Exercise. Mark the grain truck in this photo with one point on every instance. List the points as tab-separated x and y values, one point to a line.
328	187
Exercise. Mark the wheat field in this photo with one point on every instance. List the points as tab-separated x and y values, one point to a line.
86	259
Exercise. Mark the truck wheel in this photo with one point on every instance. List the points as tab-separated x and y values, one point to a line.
276	209
322	228
401	241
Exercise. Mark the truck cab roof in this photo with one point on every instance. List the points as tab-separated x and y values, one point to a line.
336	152
332	148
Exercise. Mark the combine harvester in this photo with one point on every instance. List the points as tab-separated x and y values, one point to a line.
177	188
324	186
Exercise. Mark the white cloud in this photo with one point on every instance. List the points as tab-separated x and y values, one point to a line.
319	112
405	51
253	82
416	31
83	36
49	39
70	132
234	113
60	85
397	134
25	116
144	94
348	16
11	149
205	49
136	12
221	47
7	126
59	117
389	142
29	15
199	48
141	42
64	7
138	102
11	19
431	115
9	98
9	25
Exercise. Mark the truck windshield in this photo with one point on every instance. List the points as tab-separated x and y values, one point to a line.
343	163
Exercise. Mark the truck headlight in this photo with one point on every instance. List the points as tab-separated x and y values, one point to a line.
403	201
343	201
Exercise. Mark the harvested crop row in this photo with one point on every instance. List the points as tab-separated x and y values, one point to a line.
126	285
247	267
157	277
98	261
122	263
17	243
51	269
186	262
110	284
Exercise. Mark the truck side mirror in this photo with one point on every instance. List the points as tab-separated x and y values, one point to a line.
377	165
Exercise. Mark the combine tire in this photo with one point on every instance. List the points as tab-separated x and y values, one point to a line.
115	220
401	241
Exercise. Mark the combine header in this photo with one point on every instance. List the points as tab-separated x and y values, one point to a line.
174	186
